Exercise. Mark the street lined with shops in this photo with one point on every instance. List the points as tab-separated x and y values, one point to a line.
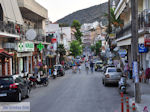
79	92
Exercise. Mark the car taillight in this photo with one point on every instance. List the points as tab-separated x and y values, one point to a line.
13	86
107	76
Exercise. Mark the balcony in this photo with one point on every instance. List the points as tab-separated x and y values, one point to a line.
9	29
143	25
31	10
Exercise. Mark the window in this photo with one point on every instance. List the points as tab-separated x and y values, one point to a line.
19	80
7	80
112	70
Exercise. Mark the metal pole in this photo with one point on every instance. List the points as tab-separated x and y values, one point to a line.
134	46
109	24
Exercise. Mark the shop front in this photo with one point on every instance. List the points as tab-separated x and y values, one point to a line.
24	57
5	63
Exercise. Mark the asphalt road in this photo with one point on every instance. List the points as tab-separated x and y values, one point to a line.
78	92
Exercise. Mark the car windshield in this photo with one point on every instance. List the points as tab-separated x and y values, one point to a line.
112	70
99	63
6	80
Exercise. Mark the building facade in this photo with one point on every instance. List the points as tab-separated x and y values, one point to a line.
10	33
124	35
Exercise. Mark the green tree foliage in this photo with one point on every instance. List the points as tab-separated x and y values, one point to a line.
98	47
75	48
113	21
61	50
93	48
76	24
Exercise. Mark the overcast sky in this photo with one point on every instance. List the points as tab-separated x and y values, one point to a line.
59	8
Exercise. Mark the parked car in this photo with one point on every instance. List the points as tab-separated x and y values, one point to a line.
13	88
98	65
60	70
111	75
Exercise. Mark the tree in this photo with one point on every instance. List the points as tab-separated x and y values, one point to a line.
98	47
93	48
61	50
113	21
78	34
75	48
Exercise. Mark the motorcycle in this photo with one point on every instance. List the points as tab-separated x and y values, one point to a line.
122	84
55	73
34	81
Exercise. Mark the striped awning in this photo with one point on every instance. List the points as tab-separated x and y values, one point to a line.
11	11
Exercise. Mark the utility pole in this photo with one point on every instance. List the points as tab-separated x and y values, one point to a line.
109	25
134	48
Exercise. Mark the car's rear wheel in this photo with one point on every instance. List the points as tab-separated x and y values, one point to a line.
28	93
105	84
19	97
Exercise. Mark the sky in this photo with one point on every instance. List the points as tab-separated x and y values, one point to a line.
58	9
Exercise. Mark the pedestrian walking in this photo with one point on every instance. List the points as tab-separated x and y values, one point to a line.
147	73
91	65
87	66
126	69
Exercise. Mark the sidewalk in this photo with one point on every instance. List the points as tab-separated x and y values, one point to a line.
145	96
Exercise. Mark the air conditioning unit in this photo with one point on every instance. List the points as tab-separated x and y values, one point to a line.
9	45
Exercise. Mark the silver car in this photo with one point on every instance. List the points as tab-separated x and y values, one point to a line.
111	75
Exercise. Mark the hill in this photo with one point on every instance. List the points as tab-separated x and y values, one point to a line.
88	15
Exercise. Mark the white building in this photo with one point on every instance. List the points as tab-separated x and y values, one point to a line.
62	34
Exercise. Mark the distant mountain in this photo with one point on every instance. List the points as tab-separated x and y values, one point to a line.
89	15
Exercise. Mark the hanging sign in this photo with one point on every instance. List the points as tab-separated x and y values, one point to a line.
142	48
40	46
147	40
25	47
53	40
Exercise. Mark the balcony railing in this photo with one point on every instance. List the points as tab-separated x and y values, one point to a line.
8	27
15	29
143	23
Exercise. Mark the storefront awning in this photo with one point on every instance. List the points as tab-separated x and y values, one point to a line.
4	53
11	11
127	42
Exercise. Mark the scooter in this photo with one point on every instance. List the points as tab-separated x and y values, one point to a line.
33	81
55	73
122	84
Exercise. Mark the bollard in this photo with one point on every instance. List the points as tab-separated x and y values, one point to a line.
133	107
122	106
127	104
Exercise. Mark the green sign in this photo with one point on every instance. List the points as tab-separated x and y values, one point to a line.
26	46
40	46
20	47
29	46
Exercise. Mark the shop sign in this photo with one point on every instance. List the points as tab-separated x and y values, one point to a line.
142	48
147	40
29	46
112	36
25	47
122	51
40	46
53	40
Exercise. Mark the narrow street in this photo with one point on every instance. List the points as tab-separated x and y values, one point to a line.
78	92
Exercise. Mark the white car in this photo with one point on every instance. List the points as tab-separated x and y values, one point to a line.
111	75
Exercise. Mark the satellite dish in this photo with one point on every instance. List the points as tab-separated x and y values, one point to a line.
31	34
